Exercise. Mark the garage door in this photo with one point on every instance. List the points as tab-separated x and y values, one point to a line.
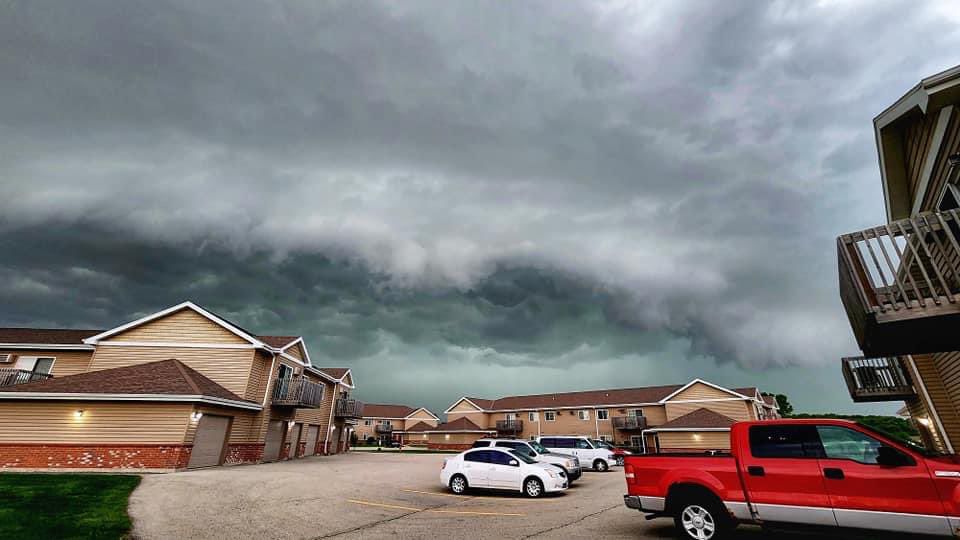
271	451
295	440
209	440
312	433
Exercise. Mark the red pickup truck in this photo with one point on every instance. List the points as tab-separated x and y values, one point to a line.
831	473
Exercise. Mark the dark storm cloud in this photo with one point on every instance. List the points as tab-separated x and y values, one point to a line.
536	186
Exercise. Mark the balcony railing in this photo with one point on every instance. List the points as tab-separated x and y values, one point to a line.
629	423
348	408
900	284
383	429
877	379
10	376
297	392
509	426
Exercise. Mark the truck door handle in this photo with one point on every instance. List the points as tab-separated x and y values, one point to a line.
755	470
834	474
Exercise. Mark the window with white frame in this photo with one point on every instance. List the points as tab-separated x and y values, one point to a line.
583	414
368	422
511	416
635	412
602	414
550	416
35	364
533	416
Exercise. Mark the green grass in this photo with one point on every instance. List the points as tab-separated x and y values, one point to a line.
65	505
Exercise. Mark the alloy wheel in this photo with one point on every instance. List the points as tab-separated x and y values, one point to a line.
458	485
533	487
697	522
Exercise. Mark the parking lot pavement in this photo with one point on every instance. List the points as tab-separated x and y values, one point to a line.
361	495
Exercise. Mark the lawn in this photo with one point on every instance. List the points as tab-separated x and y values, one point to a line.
65	505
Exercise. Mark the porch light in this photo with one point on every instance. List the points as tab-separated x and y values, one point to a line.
196	416
447	436
78	413
924	421
290	424
696	436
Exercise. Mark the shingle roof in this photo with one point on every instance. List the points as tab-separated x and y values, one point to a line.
382	410
164	377
335	372
700	418
770	400
619	396
278	342
46	336
460	424
749	391
420	426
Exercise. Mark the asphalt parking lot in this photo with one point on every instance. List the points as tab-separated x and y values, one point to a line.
378	495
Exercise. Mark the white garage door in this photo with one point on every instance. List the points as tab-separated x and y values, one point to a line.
312	433
271	451
209	440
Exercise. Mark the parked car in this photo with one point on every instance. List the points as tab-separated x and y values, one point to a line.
831	473
598	459
536	451
618	453
500	468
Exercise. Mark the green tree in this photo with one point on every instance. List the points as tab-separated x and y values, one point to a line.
786	409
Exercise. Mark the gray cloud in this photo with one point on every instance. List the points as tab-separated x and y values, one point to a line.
532	186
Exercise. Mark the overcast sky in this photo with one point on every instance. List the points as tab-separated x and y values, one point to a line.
451	198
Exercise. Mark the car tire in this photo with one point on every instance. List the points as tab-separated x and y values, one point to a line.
600	465
620	461
533	487
458	484
702	519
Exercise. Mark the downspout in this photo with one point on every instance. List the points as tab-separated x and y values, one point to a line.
333	404
273	364
596	422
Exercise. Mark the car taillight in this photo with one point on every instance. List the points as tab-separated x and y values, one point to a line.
629	472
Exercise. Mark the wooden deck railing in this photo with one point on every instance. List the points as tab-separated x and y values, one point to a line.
348	408
383	429
629	423
11	376
906	272
509	426
297	392
877	379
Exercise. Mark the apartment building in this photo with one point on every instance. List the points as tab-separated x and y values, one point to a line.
692	416
900	280
180	388
385	423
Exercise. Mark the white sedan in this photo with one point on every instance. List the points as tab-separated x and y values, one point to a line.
498	468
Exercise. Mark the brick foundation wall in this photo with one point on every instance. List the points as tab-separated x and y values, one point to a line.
244	453
80	456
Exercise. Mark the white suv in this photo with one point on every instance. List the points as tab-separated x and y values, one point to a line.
569	463
599	459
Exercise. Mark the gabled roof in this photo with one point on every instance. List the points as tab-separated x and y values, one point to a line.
702	418
459	425
733	393
384	410
279	342
419	426
771	401
20	337
338	374
153	381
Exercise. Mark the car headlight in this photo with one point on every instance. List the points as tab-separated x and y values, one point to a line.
570	464
553	474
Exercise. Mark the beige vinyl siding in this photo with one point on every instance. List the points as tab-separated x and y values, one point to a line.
318	415
348	379
66	363
701	391
706	440
940	173
296	352
939	394
738	410
102	422
184	326
229	368
464	406
420	415
917	136
259	376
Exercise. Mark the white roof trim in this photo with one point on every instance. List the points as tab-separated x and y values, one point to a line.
435	417
80	396
93	340
455	431
303	345
464	398
654	429
319	373
47	346
710	384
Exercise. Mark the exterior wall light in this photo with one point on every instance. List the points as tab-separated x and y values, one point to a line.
196	416
78	413
447	436
924	421
290	424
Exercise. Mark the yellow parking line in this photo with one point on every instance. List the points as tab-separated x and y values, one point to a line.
437	511
435	493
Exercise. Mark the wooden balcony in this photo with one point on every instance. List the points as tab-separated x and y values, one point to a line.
10	376
509	426
348	408
629	423
877	379
297	392
900	285
383	429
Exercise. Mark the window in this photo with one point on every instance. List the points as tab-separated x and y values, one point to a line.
557	442
511	416
604	438
635	412
636	441
603	414
583	414
519	447
550	416
35	364
843	443
784	441
584	444
480	456
368	422
386	423
532	416
285	371
501	458
480	444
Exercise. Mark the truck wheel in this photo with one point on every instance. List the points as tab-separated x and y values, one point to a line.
600	465
701	520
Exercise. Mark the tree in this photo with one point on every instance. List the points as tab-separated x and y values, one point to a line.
786	409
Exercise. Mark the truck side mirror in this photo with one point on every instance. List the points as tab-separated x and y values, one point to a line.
891	457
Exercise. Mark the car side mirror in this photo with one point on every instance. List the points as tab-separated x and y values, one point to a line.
891	457
514	463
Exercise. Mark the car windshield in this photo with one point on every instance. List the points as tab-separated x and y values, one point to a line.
918	448
522	456
538	447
